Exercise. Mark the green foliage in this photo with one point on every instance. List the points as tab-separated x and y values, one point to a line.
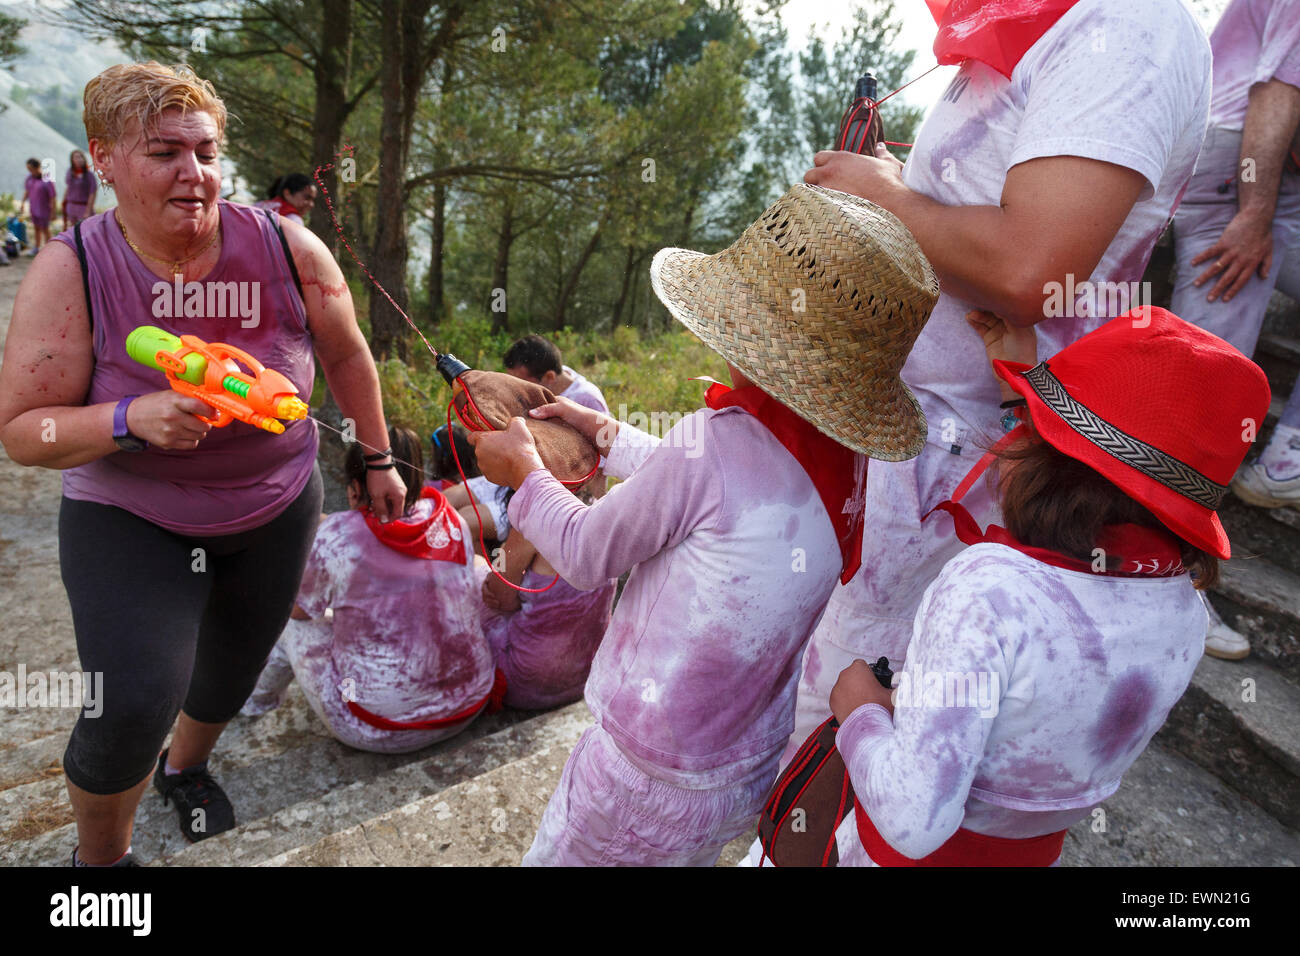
10	48
636	371
566	143
56	107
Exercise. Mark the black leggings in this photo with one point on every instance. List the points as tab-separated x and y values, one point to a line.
166	634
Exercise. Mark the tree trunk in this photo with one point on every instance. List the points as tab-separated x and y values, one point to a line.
501	273
571	280
333	70
402	72
388	258
437	294
619	303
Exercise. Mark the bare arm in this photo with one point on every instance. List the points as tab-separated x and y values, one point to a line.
49	359
1057	216
518	555
1246	246
345	359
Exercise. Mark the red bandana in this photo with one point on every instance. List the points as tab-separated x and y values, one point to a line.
996	32
1139	551
285	208
436	538
838	473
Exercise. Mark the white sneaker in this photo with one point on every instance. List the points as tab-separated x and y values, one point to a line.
1222	641
1254	486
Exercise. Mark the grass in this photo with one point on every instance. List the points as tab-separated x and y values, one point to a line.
642	373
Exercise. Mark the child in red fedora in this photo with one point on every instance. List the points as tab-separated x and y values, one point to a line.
1046	655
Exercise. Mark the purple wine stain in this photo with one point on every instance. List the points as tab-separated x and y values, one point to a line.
1124	716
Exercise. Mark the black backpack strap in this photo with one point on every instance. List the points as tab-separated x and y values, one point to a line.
288	256
85	273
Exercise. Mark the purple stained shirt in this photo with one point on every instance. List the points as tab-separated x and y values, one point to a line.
545	648
239	477
732	560
406	630
1254	41
584	392
80	188
1030	691
40	196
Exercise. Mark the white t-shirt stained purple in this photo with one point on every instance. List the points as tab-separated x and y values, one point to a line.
584	392
1120	81
1031	691
733	559
1254	41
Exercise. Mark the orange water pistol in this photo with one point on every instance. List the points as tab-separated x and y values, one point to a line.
211	372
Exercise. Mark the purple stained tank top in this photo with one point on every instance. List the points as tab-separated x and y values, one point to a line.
239	477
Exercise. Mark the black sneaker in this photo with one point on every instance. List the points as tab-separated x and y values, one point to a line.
128	860
203	806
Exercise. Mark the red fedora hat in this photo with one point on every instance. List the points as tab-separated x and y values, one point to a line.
1162	409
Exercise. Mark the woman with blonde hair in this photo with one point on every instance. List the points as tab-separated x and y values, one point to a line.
181	545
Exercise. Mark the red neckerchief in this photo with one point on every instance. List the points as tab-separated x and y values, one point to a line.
1140	551
286	208
995	32
963	848
835	471
435	538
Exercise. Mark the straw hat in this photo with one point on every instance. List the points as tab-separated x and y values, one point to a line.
1162	409
818	303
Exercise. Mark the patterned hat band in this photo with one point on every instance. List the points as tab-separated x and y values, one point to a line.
1152	462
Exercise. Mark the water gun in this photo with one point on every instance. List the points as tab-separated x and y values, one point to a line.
861	127
210	372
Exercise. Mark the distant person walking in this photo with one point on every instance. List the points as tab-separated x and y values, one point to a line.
79	194
40	193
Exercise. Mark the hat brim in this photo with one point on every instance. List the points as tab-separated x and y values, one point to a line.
811	377
1196	524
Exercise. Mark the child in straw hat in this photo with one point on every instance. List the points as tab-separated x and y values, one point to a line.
1046	655
735	526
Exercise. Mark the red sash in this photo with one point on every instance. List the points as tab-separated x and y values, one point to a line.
963	848
835	470
435	538
995	32
1130	550
493	702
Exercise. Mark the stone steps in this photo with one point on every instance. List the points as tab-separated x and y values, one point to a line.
318	817
1262	601
1171	812
1238	721
266	765
489	819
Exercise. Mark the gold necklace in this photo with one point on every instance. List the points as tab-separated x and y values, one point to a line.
173	264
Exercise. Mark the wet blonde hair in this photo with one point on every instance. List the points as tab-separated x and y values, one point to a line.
142	91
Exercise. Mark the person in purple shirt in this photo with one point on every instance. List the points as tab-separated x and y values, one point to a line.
40	193
181	545
79	197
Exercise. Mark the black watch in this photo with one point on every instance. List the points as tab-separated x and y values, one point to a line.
121	434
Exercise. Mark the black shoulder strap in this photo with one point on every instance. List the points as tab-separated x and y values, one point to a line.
288	256
85	273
